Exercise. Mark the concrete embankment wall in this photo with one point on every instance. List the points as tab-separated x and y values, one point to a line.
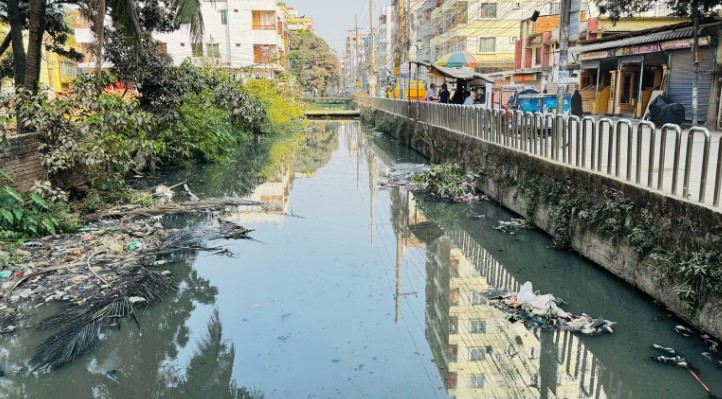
22	159
648	238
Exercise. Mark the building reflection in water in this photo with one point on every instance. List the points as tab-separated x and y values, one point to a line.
477	351
290	160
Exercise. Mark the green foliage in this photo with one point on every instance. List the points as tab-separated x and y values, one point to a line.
202	131
446	180
280	102
312	62
31	215
89	137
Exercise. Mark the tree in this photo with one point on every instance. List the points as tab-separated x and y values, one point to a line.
312	61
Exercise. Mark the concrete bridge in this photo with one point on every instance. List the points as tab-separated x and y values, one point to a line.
639	200
330	107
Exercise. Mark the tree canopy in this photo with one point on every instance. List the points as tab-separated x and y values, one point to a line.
313	63
617	9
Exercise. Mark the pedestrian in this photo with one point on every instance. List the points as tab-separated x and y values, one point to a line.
431	94
468	99
576	105
444	94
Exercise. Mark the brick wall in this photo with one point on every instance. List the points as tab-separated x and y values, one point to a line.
22	159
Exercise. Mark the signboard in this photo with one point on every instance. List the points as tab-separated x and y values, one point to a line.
594	55
640	49
405	69
396	71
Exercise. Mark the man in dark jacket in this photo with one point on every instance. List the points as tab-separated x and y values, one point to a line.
444	94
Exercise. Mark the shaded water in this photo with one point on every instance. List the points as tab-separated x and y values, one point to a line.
356	290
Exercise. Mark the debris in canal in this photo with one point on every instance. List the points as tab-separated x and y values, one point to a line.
682	362
513	226
543	311
106	272
446	181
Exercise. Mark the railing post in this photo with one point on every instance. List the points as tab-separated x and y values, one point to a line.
688	162
618	147
669	127
600	145
640	143
591	122
573	120
718	175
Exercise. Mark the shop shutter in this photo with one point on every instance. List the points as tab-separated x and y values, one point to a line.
681	78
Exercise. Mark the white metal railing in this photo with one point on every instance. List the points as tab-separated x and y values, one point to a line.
616	148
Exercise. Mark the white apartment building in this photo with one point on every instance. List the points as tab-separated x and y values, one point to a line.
385	46
242	35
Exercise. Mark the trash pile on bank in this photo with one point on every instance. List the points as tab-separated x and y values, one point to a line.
543	311
116	264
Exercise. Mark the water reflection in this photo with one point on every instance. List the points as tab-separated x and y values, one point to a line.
477	351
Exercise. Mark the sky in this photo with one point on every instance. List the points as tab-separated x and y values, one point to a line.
333	18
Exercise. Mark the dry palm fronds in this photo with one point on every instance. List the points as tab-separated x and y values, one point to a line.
82	325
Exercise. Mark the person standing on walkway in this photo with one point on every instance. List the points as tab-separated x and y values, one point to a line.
431	94
444	94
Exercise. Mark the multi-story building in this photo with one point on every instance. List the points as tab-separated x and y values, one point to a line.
295	22
355	65
384	42
241	35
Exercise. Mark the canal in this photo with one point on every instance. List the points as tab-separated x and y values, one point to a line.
352	288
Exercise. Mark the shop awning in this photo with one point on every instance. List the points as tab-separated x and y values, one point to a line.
455	73
631	41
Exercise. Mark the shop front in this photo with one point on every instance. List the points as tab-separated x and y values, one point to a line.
621	77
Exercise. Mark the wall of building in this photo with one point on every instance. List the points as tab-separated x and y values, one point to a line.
508	175
22	159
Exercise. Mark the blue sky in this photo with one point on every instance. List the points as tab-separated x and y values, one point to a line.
333	18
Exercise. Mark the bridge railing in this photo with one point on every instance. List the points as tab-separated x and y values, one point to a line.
616	148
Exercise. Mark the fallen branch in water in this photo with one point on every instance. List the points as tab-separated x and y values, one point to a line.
214	204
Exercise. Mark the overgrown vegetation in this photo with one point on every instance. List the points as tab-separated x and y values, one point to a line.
32	214
446	180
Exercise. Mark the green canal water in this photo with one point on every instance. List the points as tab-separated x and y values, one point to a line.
354	289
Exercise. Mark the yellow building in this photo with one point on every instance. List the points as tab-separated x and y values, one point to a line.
56	72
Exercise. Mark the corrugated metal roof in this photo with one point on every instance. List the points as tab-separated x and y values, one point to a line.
631	41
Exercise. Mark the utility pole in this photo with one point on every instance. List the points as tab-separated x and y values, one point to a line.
358	58
695	72
372	51
563	73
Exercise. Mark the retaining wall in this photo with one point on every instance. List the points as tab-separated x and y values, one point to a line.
638	234
22	159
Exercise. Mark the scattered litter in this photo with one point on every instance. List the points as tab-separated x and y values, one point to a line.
255	306
5	273
682	330
135	244
544	311
512	226
671	351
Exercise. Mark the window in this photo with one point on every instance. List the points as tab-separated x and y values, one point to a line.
476	381
264	20
487	10
238	44
68	68
487	45
477	327
213	50
554	8
476	354
224	17
182	44
515	6
263	53
537	56
197	49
